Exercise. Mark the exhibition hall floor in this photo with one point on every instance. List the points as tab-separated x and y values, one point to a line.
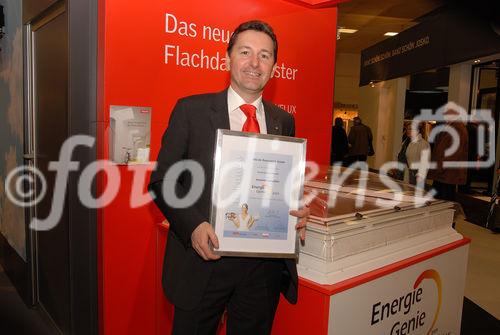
480	314
482	284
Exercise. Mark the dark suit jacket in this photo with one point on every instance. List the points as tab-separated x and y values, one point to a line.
191	135
359	138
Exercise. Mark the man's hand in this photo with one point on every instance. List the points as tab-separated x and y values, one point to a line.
302	214
199	240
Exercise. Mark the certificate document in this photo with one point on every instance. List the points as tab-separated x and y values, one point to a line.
258	179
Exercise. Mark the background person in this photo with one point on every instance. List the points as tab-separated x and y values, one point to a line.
446	179
417	152
339	145
396	173
472	156
360	141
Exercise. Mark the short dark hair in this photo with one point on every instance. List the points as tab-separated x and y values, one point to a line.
339	122
257	26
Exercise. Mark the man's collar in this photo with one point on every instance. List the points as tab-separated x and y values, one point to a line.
234	101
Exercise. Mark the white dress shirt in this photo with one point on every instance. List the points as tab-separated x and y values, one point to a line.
236	116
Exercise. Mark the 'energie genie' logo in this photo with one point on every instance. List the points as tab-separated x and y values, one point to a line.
407	304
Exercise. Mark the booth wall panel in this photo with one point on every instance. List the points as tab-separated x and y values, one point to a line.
133	72
311	318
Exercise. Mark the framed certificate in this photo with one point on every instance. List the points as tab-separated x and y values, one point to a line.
257	180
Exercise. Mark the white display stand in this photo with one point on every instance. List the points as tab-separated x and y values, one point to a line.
375	270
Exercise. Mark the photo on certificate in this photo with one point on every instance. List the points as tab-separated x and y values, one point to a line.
258	179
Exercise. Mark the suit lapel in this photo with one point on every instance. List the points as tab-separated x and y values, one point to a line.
273	124
220	116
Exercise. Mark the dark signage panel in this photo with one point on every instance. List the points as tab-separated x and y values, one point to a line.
446	39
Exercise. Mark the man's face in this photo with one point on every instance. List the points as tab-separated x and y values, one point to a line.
251	63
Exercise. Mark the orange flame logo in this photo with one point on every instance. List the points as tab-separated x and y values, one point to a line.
434	275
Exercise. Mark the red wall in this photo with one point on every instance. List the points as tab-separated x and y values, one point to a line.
132	71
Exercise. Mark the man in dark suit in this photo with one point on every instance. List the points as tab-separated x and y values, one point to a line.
200	284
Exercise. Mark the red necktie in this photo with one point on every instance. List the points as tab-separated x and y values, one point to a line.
251	124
